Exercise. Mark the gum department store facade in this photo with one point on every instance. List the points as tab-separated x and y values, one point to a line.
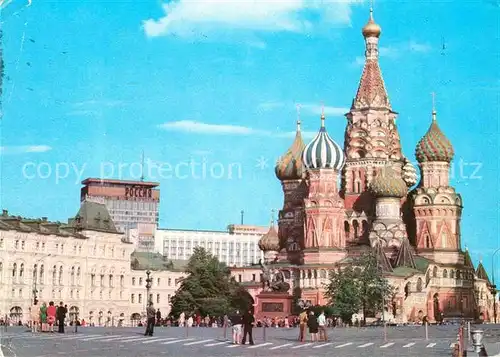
415	233
86	263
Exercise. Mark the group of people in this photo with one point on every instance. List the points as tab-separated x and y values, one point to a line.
242	327
316	326
43	318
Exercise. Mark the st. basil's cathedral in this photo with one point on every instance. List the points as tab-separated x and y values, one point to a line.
411	224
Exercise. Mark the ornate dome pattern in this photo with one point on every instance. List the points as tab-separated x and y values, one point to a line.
270	241
323	152
434	145
410	176
388	184
371	29
290	165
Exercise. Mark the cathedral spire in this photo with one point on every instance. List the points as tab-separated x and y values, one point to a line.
371	92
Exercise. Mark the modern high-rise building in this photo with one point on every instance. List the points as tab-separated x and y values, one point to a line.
130	203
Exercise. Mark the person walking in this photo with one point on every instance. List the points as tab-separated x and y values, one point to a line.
43	317
51	316
236	321
61	315
150	312
302	325
322	327
158	317
35	316
312	323
248	321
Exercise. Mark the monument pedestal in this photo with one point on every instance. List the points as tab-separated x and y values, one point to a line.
271	304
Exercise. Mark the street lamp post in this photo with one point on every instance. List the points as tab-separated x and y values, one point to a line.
493	286
149	280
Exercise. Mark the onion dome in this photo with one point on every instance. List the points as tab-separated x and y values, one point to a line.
322	152
410	176
388	184
434	145
371	29
290	165
270	241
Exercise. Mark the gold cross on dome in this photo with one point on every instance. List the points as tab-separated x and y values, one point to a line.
298	106
433	101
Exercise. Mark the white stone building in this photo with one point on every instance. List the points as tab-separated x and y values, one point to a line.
86	264
238	246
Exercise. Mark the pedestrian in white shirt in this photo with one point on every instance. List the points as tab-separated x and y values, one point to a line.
322	327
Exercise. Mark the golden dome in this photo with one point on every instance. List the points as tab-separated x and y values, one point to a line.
270	241
290	166
371	29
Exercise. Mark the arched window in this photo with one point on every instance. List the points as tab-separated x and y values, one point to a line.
419	285
140	281
78	271
435	272
54	275
42	273
355	225
445	273
427	241
111	281
347	228
72	275
452	274
122	280
407	289
14	270
133	281
35	273
60	275
21	270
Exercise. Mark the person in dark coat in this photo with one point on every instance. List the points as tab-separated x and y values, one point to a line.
313	325
151	313
248	322
60	316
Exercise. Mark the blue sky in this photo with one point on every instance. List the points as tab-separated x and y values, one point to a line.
88	83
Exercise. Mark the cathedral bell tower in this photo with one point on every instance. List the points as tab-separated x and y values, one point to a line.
437	206
324	208
290	171
371	140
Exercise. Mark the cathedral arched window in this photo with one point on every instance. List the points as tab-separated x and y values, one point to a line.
419	285
346	228
427	241
72	275
435	272
60	275
445	273
14	269
54	275
21	271
452	274
35	273
407	289
358	186
355	225
364	225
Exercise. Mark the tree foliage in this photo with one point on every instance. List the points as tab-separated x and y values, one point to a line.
358	287
208	288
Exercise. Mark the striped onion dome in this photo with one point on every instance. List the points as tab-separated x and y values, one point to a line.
434	145
388	184
410	176
290	165
322	152
270	241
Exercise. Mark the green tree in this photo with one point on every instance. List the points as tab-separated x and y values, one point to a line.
360	286
208	288
344	293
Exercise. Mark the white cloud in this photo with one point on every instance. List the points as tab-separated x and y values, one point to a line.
419	47
22	149
186	18
190	126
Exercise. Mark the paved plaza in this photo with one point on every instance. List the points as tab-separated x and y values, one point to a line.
181	342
